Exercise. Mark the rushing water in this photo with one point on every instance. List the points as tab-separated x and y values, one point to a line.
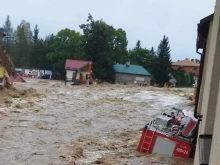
81	124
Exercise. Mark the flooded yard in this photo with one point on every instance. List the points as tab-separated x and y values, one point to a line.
46	123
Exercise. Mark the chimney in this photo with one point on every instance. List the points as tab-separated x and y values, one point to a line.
128	63
186	58
192	60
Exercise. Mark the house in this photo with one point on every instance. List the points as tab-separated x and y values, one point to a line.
208	92
78	70
131	74
189	66
207	107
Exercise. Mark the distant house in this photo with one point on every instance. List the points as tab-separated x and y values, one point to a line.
189	66
131	74
78	70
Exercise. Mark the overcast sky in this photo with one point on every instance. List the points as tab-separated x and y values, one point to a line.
145	20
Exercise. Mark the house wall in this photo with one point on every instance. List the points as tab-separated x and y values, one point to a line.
188	69
83	73
121	78
209	102
69	74
87	70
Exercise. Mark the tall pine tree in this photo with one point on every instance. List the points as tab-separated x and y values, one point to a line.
36	49
138	44
24	39
152	52
163	62
9	38
36	32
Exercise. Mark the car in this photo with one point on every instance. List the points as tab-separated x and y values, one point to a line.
46	76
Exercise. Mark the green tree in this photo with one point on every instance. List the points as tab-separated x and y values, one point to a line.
138	44
105	46
152	61
22	48
144	57
36	32
187	79
65	45
120	43
192	81
197	60
39	50
152	65
179	75
163	62
9	38
36	49
44	62
139	55
152	52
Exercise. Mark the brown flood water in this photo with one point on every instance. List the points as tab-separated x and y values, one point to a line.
46	123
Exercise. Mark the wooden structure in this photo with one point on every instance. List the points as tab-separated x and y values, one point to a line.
78	71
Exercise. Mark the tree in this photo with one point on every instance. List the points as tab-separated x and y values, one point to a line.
138	44
152	66
36	32
152	61
120	46
197	60
144	57
187	79
65	45
44	62
163	62
22	48
9	38
140	56
36	49
105	46
39	51
152	52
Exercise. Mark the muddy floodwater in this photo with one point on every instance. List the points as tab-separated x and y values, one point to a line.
46	123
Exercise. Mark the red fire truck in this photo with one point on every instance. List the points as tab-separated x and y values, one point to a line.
173	133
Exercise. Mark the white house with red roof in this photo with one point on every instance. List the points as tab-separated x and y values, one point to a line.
78	70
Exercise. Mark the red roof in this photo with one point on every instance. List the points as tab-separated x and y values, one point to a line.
186	63
75	64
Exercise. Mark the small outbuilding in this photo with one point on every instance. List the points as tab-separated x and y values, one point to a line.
131	74
78	70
